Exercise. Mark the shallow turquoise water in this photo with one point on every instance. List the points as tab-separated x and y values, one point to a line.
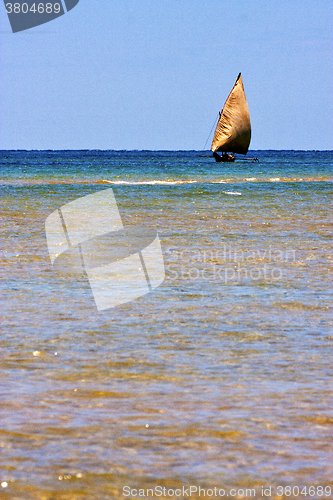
221	376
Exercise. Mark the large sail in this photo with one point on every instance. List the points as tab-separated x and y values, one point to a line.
233	130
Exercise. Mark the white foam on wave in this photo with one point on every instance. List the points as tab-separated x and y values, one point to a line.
165	183
153	183
232	192
172	182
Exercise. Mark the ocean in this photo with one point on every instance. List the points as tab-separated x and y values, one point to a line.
220	377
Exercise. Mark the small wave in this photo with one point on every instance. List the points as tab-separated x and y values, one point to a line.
152	183
169	182
232	192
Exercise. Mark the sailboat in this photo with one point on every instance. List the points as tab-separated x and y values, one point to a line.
233	129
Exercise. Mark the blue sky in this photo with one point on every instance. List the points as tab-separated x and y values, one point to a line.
153	74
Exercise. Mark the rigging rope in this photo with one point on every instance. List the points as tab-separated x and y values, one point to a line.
214	125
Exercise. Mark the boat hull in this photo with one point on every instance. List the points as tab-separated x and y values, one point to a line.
224	159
